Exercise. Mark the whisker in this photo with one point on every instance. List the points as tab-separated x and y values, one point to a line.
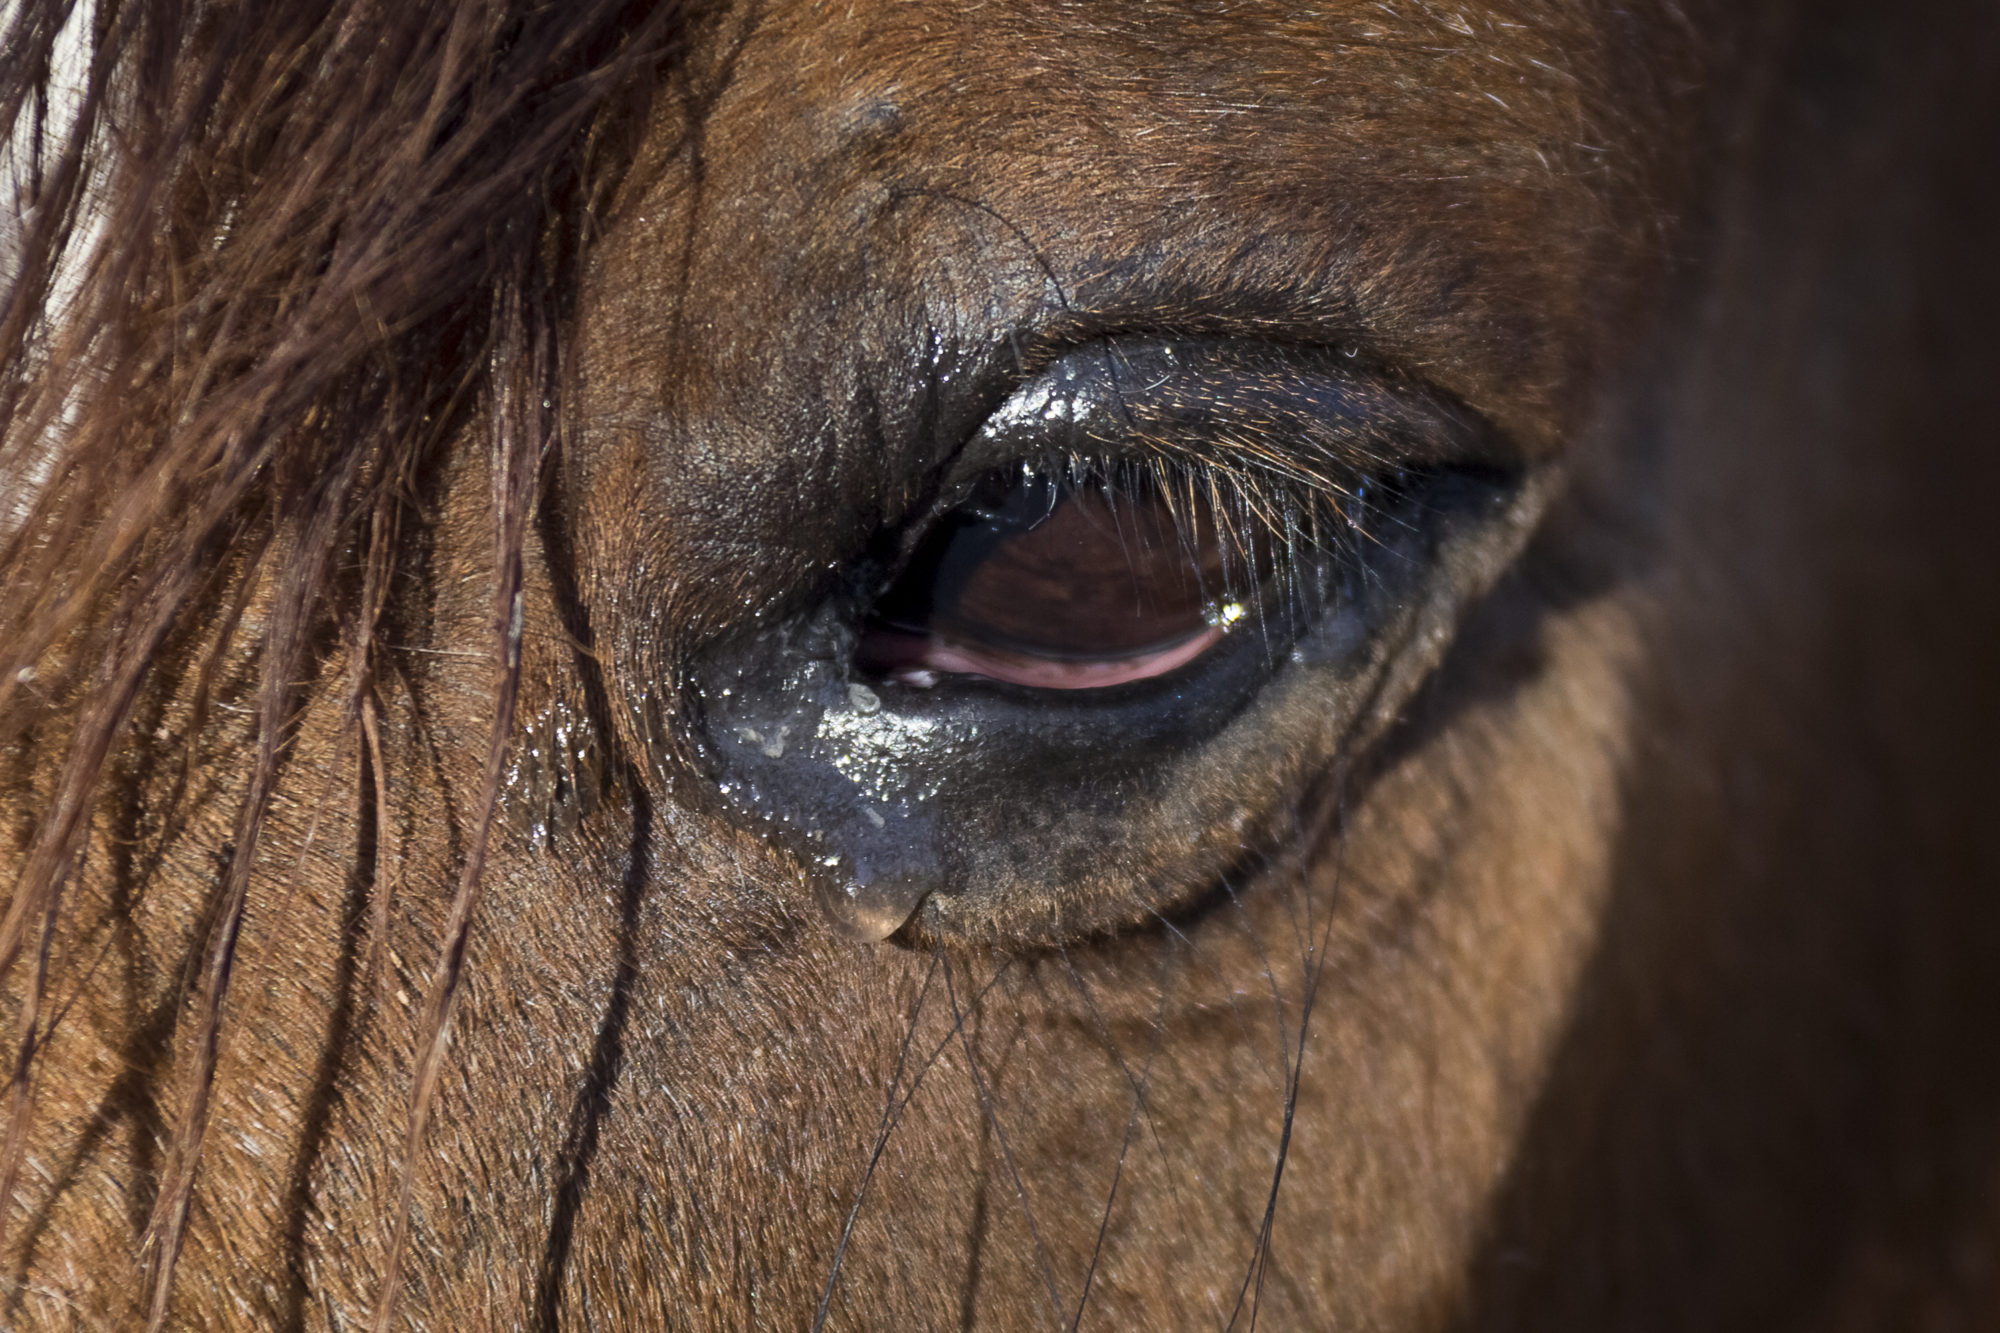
1006	1149
892	1121
1270	975
890	1113
1314	971
1124	1148
1137	1083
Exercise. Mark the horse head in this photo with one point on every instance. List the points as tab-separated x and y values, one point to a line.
787	665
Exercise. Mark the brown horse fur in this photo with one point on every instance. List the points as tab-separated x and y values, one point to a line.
1624	967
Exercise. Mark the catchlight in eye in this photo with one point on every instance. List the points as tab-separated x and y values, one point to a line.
1070	578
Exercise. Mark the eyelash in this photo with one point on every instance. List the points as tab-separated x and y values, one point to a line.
1305	519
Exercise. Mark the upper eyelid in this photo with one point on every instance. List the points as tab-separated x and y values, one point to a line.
1287	432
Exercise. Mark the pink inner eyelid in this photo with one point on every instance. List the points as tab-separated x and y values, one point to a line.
947	657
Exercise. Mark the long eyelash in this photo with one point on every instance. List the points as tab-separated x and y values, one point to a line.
1308	525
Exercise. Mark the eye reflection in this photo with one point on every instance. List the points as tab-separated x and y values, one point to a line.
1066	582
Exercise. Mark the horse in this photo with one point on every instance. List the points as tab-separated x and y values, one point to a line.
790	665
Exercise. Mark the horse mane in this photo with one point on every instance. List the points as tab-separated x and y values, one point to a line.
265	259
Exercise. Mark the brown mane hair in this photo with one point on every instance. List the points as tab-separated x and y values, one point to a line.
265	260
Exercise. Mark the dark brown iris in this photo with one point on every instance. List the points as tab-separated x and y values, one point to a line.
1061	584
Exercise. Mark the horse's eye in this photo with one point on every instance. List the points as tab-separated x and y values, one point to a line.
1157	583
1067	583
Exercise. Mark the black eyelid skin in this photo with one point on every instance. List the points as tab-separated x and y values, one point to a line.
972	809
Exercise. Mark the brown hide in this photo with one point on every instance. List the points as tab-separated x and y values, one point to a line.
1619	961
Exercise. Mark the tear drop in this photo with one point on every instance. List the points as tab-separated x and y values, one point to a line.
873	912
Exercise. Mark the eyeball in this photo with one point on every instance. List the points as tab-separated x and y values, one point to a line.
1052	580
